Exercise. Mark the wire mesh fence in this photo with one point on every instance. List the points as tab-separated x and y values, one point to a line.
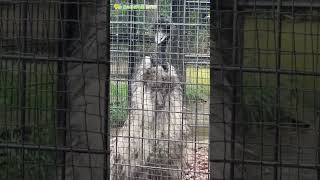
159	89
264	81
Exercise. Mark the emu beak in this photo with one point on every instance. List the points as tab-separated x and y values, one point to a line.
160	37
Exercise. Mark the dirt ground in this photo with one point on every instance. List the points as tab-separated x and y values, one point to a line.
197	165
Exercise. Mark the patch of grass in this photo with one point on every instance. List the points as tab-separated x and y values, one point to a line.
118	102
197	92
198	83
198	75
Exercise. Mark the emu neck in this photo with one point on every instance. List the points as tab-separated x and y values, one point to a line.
162	50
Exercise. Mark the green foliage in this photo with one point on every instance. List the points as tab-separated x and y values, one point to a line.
198	83
197	92
118	103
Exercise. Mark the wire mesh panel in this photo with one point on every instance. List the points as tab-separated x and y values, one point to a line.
27	91
265	90
159	94
52	89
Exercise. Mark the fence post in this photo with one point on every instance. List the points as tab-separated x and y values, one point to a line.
107	135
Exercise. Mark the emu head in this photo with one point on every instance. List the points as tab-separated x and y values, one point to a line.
161	30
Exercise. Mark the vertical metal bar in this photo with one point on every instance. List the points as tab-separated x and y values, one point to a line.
234	87
24	19
24	68
61	101
316	113
214	12
260	84
177	57
68	29
196	120
4	76
240	44
318	134
294	58
316	94
183	41
184	71
132	48
107	134
277	148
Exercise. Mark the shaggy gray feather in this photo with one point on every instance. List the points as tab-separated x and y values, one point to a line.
150	144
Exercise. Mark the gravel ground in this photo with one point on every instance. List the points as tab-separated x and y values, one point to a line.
197	163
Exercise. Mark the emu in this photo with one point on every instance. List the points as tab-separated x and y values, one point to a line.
150	144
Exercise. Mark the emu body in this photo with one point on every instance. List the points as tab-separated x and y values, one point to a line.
150	145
